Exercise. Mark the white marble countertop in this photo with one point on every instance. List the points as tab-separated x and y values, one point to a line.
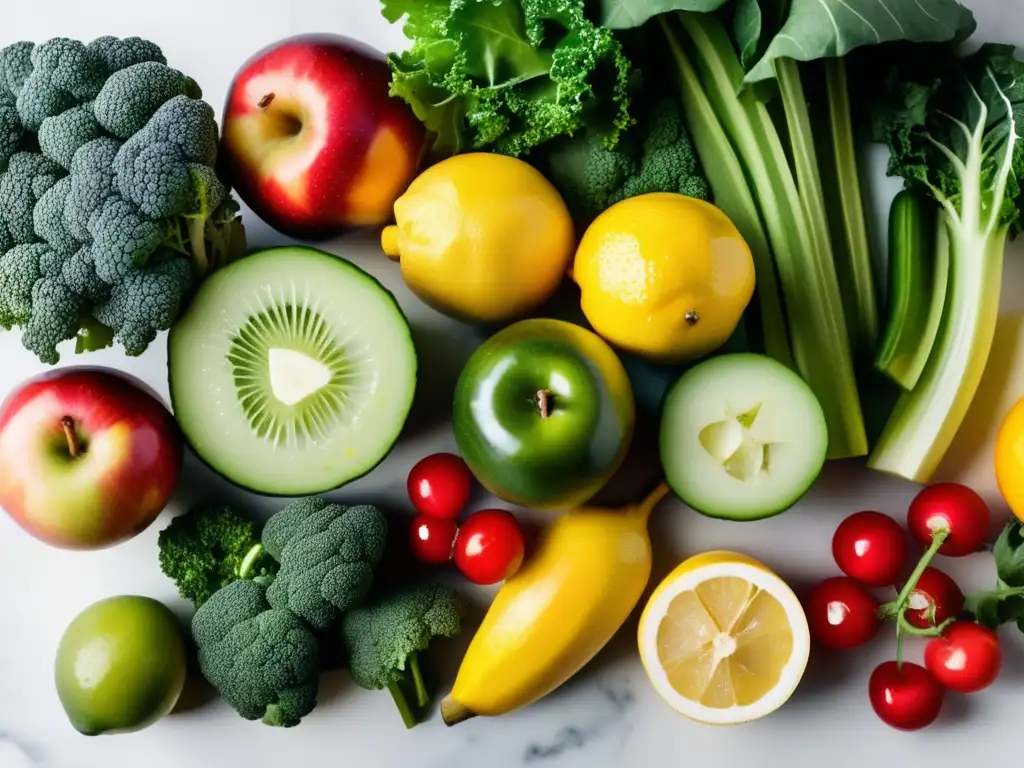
608	715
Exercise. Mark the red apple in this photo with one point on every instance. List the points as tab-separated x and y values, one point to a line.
313	142
87	458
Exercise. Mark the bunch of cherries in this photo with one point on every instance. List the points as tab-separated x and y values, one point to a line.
487	547
871	549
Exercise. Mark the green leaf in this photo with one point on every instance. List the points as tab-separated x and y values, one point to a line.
627	14
1009	555
817	29
755	24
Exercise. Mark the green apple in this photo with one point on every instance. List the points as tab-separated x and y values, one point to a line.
544	414
121	665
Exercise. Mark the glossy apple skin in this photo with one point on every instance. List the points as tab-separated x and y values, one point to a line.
557	462
332	150
120	481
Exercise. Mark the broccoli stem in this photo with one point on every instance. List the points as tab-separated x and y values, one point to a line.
254	554
92	335
408	716
197	241
422	697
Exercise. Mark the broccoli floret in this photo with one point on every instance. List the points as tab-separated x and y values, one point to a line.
79	274
121	53
656	155
64	73
61	136
263	661
130	226
11	131
15	66
48	218
327	553
54	318
383	640
27	179
19	271
131	96
208	548
145	302
123	239
92	184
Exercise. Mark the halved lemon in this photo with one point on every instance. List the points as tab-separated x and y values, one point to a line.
723	639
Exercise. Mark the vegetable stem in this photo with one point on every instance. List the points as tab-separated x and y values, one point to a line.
845	209
422	697
71	435
408	716
246	566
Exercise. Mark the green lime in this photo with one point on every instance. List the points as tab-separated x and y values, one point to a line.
121	665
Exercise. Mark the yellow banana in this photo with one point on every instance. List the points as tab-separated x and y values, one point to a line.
557	611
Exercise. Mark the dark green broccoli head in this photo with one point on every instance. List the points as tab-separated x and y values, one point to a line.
145	302
19	271
121	53
92	184
79	274
64	73
54	318
383	640
28	176
61	136
123	239
15	66
263	661
11	131
48	218
208	548
327	559
131	96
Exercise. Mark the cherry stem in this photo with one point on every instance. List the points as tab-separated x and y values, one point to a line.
74	447
544	403
902	625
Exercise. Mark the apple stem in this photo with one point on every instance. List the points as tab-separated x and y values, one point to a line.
266	101
74	447
544	403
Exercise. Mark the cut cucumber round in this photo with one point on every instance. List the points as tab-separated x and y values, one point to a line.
293	372
742	437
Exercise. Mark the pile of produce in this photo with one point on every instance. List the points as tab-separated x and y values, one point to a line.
686	174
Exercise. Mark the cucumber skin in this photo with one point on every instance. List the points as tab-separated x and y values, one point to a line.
918	263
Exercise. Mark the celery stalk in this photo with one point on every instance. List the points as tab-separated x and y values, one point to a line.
809	287
850	244
732	195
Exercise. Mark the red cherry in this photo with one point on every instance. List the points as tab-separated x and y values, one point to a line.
490	546
432	538
953	508
871	548
907	696
439	485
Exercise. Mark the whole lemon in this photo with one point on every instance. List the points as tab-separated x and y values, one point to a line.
482	237
664	276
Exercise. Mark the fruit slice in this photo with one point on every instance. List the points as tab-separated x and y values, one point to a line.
293	372
742	437
723	639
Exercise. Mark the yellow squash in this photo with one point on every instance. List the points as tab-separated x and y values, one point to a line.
557	611
481	237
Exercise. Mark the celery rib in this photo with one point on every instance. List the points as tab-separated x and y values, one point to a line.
809	287
732	195
850	244
926	420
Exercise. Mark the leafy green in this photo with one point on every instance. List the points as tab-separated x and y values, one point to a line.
953	127
817	29
627	14
755	23
1005	603
507	75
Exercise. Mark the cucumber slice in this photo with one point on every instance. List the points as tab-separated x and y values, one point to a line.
292	373
742	437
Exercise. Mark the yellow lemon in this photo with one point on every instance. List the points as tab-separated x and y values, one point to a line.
664	276
1009	459
723	639
482	237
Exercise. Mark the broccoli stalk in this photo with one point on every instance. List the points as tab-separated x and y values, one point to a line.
385	637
